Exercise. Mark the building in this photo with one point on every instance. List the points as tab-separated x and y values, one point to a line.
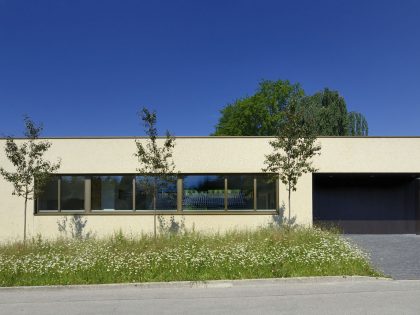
363	185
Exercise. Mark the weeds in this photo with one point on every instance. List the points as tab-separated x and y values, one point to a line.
266	253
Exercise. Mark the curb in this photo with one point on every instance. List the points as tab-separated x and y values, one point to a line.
204	284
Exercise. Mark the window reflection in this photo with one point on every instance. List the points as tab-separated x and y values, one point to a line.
203	192
266	193
72	193
112	192
240	192
165	193
48	200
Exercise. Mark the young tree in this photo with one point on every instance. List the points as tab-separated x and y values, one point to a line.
156	163
294	147
32	171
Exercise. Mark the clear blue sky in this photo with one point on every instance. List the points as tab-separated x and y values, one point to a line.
85	67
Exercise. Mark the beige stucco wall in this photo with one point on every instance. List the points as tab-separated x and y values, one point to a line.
203	155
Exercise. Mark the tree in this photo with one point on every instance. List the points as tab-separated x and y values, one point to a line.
262	113
32	171
326	112
156	163
293	149
357	124
258	115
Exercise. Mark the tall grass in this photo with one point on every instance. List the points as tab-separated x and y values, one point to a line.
266	253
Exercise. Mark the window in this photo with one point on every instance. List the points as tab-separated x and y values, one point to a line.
200	192
112	193
166	194
49	196
266	193
203	192
72	193
240	192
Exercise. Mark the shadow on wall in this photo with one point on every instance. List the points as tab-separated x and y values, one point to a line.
171	226
279	219
74	228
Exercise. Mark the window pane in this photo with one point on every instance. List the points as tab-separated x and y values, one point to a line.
165	197
203	192
240	192
48	200
112	192
72	193
266	193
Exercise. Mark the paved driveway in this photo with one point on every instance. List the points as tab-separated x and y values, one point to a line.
396	255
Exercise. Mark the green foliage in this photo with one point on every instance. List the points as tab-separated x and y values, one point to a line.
358	125
265	253
260	114
155	161
294	147
326	112
31	170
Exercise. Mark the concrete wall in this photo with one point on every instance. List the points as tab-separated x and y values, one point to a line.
202	155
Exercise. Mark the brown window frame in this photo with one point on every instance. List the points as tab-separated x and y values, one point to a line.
180	189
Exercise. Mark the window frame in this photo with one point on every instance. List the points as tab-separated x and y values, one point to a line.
179	198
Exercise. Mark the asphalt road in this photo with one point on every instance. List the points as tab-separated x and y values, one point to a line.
313	296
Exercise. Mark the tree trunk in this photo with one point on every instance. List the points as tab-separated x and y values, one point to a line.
24	220
290	205
154	212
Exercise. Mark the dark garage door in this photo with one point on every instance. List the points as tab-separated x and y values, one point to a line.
366	203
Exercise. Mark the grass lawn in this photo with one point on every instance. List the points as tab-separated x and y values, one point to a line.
265	253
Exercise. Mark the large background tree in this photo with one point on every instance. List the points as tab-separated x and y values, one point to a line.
156	166
358	125
31	171
326	112
260	114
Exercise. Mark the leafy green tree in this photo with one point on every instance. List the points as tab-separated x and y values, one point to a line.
326	112
260	114
293	149
357	124
31	170
156	164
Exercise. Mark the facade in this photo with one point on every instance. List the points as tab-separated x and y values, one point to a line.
363	185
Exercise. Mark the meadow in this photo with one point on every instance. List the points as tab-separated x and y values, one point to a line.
264	253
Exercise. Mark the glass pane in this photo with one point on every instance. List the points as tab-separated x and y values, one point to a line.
72	193
48	200
240	192
112	192
165	193
203	192
266	193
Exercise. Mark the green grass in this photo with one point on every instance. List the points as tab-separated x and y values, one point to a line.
266	253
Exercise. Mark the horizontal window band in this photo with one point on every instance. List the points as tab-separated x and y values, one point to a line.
189	193
167	212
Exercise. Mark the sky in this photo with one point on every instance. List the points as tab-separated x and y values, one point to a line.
85	68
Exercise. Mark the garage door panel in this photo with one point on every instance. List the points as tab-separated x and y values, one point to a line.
366	203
